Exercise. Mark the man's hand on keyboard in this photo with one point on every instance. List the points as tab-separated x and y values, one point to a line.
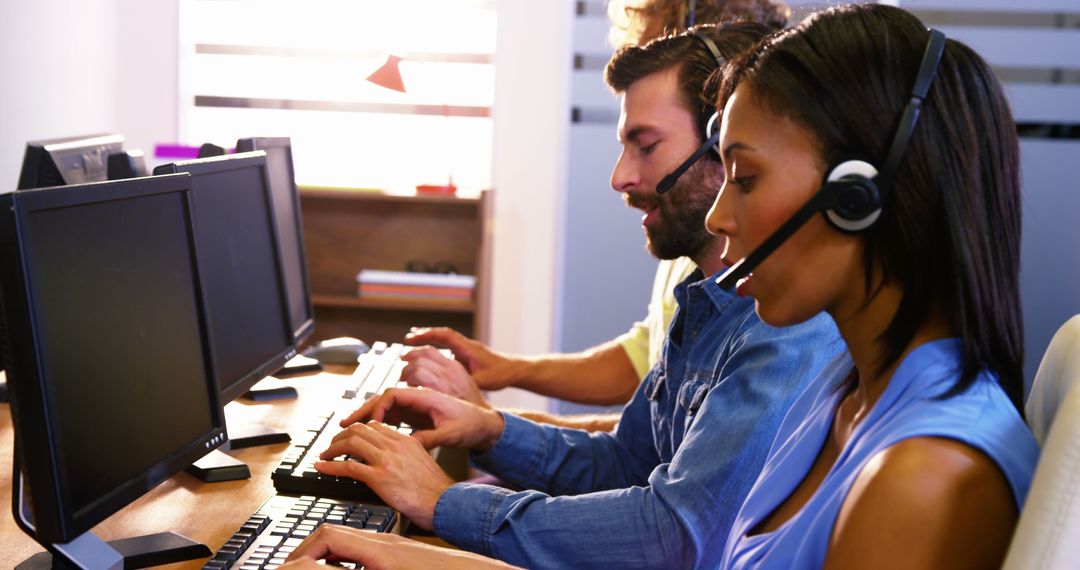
437	419
427	367
489	369
392	464
380	551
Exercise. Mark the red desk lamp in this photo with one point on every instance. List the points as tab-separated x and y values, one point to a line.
388	75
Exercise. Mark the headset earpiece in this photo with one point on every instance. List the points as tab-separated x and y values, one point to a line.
712	133
853	197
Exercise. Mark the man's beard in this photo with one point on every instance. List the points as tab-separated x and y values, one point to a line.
681	231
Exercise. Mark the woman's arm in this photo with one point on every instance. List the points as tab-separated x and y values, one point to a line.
925	502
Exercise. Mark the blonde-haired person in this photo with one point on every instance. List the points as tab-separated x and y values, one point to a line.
636	22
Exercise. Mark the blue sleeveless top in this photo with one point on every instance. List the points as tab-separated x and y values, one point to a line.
981	417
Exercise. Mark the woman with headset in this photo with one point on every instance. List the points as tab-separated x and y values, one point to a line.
910	450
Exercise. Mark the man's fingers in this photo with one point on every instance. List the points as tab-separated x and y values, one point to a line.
426	438
373	409
345	468
437	336
361	413
359	440
423	353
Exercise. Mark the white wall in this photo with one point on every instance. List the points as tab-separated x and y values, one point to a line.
531	112
73	68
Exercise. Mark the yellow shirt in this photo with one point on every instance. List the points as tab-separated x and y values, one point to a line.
644	340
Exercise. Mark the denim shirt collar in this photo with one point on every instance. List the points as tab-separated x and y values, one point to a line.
692	296
696	284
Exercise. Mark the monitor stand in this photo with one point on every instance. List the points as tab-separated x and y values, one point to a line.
298	365
88	550
219	466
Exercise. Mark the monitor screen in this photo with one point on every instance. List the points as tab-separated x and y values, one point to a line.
70	160
236	239
290	226
111	375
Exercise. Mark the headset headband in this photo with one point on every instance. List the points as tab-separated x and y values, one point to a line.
711	46
927	70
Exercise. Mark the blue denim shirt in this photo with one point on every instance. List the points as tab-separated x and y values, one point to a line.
663	489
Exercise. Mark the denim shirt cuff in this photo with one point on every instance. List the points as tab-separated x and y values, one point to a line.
520	448
464	515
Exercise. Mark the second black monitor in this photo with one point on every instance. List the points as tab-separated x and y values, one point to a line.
235	235
279	162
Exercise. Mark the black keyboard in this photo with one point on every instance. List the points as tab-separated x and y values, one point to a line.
282	523
378	369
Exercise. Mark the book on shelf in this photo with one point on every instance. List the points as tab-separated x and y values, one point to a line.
415	286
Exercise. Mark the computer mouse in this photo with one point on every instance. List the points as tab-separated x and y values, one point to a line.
341	350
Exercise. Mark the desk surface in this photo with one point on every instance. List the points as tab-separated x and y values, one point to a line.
205	512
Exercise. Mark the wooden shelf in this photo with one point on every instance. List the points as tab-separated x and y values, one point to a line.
338	193
346	230
393	304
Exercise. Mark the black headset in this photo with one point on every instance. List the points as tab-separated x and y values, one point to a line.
712	132
853	191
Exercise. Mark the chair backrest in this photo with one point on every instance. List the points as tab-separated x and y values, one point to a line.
1048	534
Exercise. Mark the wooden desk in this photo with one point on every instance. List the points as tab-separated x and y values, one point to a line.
205	512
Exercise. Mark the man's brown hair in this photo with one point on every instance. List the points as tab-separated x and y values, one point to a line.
690	55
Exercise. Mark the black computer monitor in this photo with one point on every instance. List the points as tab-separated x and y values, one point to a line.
290	226
238	255
69	160
111	373
3	353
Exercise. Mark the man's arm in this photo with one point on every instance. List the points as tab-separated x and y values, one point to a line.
603	375
681	517
587	422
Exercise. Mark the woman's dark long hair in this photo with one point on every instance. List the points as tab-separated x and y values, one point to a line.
949	233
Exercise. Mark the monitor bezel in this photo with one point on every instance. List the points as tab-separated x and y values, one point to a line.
213	165
33	412
301	331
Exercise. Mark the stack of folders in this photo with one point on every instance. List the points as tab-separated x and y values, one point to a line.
411	286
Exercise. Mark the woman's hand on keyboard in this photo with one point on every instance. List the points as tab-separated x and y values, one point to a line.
380	551
426	366
437	419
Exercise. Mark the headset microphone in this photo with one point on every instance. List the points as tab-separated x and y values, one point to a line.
712	133
710	142
854	191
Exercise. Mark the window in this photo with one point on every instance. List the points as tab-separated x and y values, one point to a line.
298	69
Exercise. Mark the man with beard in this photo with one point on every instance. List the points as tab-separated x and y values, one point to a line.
663	488
609	373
